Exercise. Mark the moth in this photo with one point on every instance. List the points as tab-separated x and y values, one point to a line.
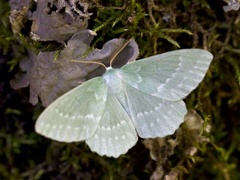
142	98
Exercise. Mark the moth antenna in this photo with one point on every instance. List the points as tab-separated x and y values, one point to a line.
121	48
89	62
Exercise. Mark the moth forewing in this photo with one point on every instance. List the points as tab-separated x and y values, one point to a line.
75	115
170	76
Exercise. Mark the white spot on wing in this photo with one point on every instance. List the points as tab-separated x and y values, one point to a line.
167	80
161	87
180	85
73	117
145	113
90	116
139	115
122	122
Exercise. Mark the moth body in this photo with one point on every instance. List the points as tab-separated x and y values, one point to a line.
113	79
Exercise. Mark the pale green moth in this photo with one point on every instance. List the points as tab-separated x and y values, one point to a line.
142	98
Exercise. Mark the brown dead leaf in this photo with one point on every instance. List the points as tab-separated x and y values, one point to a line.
58	20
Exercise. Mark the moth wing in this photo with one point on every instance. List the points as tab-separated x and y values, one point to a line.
75	115
153	116
115	134
170	76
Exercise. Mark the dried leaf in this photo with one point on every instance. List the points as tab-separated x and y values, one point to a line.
187	137
22	79
190	133
18	18
19	4
58	20
232	5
